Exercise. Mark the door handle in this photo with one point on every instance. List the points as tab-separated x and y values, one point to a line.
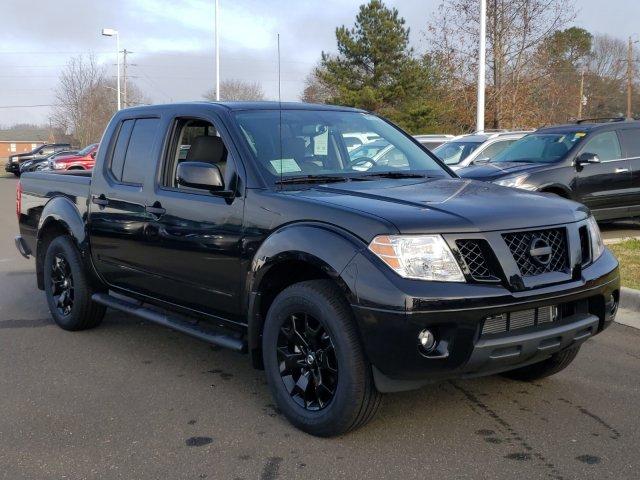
622	170
101	201
156	209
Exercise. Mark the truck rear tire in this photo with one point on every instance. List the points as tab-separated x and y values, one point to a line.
552	365
314	361
67	287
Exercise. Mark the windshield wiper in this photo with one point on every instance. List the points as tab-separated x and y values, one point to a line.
396	175
310	179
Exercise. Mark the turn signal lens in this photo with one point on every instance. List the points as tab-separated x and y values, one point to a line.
597	246
423	257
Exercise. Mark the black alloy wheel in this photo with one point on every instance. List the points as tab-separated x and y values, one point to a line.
307	361
62	285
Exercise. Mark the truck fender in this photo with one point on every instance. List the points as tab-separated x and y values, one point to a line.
64	213
323	247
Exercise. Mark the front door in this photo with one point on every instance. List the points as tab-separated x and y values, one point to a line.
631	148
605	187
195	236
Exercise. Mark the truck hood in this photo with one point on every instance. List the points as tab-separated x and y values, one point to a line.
495	170
448	205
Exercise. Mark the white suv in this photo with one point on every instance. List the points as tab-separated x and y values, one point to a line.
464	150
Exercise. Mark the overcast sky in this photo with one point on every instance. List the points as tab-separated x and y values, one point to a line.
172	42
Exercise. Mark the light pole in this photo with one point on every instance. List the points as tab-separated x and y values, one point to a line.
217	47
482	47
110	32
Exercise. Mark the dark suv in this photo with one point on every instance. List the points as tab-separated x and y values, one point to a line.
593	162
38	153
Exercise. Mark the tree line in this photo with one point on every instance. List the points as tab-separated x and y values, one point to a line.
541	70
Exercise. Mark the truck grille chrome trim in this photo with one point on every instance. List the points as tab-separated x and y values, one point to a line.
538	251
474	257
508	322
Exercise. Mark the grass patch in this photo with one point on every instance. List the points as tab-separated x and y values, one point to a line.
628	252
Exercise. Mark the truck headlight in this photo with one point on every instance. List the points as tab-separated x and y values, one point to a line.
516	181
423	257
597	246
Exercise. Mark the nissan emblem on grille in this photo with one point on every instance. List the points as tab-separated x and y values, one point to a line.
540	251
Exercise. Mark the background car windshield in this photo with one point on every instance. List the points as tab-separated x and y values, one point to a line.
85	150
313	143
452	153
540	148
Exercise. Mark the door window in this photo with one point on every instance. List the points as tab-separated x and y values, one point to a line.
605	145
195	140
132	159
138	161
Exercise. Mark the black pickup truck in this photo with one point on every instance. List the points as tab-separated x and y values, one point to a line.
342	277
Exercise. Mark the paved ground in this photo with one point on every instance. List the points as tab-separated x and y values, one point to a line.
134	401
624	229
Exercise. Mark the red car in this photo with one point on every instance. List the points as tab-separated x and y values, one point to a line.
83	160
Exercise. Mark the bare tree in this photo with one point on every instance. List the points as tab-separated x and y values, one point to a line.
237	90
515	29
84	101
316	91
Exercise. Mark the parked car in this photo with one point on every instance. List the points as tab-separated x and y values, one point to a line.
433	140
43	163
340	283
43	151
82	160
595	163
478	147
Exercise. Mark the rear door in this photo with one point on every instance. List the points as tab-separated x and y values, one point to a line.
605	187
117	218
631	147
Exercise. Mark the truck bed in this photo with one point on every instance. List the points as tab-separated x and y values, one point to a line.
39	188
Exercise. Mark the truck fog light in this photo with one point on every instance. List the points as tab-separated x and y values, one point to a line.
426	340
612	305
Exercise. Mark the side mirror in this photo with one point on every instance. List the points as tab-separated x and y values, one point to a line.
93	155
206	176
587	158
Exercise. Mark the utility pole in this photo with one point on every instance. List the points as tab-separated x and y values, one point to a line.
217	40
481	66
124	77
581	99
629	76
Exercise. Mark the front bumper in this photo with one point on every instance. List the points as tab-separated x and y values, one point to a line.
12	167
391	311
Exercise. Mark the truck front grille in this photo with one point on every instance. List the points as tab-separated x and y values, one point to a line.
508	322
521	245
475	258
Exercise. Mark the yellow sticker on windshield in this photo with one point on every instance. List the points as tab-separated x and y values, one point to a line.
581	134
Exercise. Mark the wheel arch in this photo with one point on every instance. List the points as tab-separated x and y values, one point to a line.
59	217
292	254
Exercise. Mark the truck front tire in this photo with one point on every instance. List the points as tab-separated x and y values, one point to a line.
67	287
314	362
552	365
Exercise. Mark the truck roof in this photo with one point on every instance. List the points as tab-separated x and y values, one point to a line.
257	105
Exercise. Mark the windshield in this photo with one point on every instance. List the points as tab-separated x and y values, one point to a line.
540	148
313	144
452	153
86	150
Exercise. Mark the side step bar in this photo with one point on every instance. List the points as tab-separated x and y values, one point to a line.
194	329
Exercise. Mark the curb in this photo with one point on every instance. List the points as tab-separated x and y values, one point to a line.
630	299
613	241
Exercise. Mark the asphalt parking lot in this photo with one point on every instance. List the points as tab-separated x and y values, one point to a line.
132	400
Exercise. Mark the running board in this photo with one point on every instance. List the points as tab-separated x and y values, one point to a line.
194	329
